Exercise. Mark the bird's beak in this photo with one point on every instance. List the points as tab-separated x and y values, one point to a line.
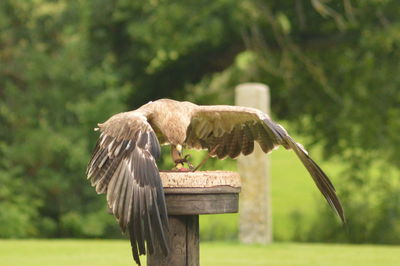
179	149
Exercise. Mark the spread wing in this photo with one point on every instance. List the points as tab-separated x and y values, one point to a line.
123	165
231	130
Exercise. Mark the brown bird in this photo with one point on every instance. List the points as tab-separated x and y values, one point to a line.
123	163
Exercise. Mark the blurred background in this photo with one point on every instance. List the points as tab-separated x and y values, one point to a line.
333	72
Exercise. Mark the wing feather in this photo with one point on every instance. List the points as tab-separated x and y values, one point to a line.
121	215
222	150
320	178
236	128
137	228
247	140
134	246
235	147
123	166
266	142
147	221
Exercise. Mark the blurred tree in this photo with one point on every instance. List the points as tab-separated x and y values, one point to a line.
66	65
50	101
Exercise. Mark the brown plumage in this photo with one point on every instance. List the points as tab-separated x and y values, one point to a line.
123	163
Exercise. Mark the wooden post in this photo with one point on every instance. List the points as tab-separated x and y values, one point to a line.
184	242
187	195
255	224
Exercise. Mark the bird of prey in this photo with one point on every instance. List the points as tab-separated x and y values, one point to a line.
123	163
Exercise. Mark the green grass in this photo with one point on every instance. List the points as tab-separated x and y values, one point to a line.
295	197
117	253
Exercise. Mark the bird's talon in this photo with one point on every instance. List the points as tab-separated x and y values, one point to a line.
179	164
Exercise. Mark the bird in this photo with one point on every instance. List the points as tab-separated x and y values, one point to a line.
123	164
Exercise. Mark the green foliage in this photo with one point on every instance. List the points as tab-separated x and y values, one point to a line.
50	101
17	209
331	69
67	65
373	213
219	227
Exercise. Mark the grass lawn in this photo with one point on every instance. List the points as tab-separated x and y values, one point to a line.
117	253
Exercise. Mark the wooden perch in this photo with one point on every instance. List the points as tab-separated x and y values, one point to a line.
189	194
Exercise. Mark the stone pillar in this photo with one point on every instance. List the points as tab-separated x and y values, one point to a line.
255	224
